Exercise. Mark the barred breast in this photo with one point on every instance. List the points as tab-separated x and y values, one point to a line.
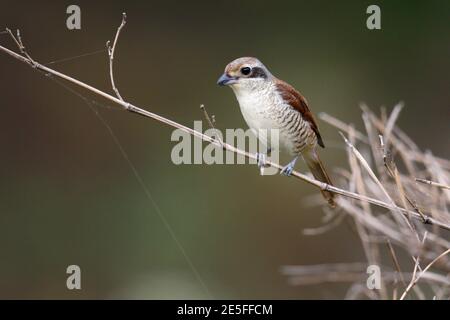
296	134
265	108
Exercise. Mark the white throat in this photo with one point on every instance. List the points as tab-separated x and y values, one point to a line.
257	100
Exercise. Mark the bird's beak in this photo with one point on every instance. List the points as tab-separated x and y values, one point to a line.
226	80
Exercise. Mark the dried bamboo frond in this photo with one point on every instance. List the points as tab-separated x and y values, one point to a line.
422	186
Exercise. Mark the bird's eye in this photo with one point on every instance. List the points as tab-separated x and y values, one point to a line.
246	71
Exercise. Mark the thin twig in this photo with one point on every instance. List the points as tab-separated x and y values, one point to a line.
345	272
421	274
374	177
393	172
211	124
111	51
395	260
134	109
373	227
432	183
18	40
391	122
417	263
371	249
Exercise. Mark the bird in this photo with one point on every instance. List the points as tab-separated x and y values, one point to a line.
266	103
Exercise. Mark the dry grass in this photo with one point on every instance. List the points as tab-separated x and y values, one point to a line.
395	212
421	185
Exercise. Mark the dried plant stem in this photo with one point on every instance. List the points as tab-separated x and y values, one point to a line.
134	109
361	137
111	51
395	260
211	124
416	279
373	226
18	40
432	183
391	122
375	179
393	173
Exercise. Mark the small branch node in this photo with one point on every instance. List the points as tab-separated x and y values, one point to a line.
211	121
18	40
432	183
111	50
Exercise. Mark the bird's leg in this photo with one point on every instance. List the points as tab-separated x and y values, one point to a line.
287	170
261	160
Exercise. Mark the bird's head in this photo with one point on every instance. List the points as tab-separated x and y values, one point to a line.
244	72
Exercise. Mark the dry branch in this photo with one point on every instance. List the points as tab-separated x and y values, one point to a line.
111	51
131	108
364	186
416	279
371	223
432	183
134	109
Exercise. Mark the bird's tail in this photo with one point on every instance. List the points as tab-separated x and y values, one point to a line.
318	170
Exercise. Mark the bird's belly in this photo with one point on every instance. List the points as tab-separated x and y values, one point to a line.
260	118
256	111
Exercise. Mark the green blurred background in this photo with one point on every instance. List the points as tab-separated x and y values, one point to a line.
67	196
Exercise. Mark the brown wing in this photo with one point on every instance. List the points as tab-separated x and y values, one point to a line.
299	103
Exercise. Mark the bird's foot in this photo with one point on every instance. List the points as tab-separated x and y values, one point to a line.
261	162
287	170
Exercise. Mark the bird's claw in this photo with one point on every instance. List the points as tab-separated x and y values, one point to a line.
261	162
287	170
